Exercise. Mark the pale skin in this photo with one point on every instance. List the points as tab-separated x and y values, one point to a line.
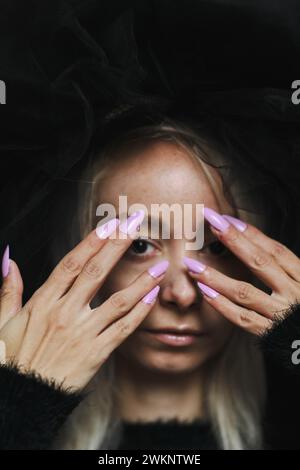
56	333
68	341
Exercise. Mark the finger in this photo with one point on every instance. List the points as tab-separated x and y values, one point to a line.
261	263
11	293
124	300
284	257
240	292
70	266
98	267
244	318
114	335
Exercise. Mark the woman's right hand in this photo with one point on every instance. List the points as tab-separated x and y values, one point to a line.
56	333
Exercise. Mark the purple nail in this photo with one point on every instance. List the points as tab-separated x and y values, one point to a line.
208	290
215	219
5	262
131	224
239	224
159	268
151	296
194	265
103	231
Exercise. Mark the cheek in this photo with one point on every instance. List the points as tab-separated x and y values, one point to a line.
119	278
220	328
234	268
217	322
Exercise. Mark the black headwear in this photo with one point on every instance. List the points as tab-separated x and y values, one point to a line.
75	68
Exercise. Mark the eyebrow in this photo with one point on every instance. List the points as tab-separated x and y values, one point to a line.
146	217
207	232
152	217
208	235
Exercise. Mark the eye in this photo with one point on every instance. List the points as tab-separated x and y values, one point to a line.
141	247
217	248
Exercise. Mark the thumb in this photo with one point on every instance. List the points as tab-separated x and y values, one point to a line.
11	290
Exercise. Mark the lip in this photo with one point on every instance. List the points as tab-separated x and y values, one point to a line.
174	337
177	331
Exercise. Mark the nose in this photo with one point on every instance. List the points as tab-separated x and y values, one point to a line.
178	288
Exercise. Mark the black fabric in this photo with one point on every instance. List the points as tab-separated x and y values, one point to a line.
32	410
277	344
171	434
283	378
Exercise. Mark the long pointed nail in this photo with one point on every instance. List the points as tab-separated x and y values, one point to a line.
215	219
159	268
5	262
105	230
208	290
239	224
130	225
194	265
151	296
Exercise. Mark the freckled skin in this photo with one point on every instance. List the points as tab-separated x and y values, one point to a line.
165	173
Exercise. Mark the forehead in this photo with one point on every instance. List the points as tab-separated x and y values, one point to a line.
162	172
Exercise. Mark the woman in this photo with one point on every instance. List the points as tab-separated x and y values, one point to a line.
82	368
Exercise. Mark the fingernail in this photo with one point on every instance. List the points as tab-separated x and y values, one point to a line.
105	230
207	290
130	225
5	262
239	224
151	296
215	219
194	265
159	268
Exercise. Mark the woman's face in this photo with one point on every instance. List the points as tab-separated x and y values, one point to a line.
164	173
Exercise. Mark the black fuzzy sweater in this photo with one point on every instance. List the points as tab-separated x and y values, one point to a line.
32	410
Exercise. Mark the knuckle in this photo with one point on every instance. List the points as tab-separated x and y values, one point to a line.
93	269
123	328
119	301
243	291
70	265
75	344
261	260
278	250
58	321
245	319
208	274
231	236
92	241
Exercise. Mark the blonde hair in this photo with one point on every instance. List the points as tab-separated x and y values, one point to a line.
235	386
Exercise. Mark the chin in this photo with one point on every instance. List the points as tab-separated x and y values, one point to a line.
165	359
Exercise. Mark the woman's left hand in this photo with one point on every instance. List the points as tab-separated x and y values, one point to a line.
272	262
